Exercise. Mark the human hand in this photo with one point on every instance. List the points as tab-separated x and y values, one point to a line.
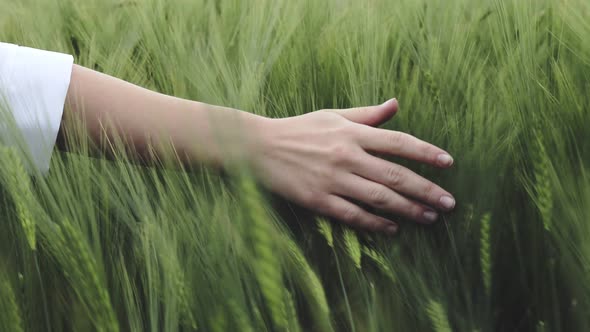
323	159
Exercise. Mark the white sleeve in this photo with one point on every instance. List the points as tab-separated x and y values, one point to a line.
33	88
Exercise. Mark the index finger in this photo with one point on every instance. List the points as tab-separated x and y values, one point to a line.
403	145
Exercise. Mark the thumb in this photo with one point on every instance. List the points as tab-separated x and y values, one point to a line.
370	115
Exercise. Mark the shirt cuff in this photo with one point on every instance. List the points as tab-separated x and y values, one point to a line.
34	84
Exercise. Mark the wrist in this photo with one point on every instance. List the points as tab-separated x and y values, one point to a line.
247	140
224	137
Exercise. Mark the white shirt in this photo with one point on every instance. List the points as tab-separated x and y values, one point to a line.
33	88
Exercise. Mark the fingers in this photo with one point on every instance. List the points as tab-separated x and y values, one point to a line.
403	145
369	115
383	198
354	216
403	181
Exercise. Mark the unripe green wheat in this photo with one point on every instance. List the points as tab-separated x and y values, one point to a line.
484	253
10	318
307	279
543	188
266	265
183	296
292	313
19	184
219	321
352	246
325	228
240	316
431	86
438	316
380	261
79	267
260	324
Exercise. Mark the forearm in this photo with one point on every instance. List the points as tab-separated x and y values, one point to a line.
324	160
110	108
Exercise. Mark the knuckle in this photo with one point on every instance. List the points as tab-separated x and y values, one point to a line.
429	191
351	214
346	132
419	212
410	210
428	152
325	113
416	211
394	175
375	226
396	139
341	154
377	196
350	132
329	118
312	197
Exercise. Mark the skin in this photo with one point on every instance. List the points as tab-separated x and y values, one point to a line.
323	160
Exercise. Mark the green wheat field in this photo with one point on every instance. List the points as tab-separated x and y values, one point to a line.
504	86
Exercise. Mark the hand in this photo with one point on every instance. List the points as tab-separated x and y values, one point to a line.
321	161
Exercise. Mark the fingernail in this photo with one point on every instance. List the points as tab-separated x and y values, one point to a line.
430	216
447	202
444	159
391	229
389	101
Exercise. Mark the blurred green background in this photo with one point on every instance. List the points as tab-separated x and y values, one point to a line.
502	85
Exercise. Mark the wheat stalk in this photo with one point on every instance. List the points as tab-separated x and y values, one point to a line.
325	228
380	261
240	316
19	183
484	253
292	313
438	316
352	246
80	268
267	266
543	188
309	282
10	317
